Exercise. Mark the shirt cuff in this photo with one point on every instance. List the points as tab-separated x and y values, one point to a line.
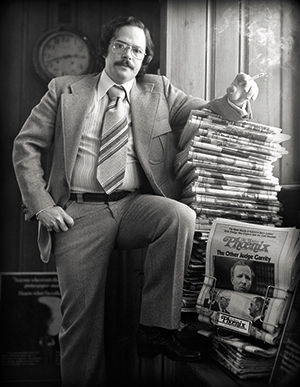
241	109
37	214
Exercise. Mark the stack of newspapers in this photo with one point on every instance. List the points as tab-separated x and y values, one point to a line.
226	169
195	274
251	272
243	358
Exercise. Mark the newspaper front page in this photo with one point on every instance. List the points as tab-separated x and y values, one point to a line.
250	273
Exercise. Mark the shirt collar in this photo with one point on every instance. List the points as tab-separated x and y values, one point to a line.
105	83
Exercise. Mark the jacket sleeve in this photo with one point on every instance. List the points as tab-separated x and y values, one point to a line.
34	141
223	108
180	105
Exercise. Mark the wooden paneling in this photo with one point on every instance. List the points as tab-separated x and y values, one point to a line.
22	23
11	107
290	112
225	29
183	38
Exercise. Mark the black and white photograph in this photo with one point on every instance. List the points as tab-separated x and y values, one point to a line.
150	196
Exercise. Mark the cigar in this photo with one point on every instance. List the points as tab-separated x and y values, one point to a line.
258	76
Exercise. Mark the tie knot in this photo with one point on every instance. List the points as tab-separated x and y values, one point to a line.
116	92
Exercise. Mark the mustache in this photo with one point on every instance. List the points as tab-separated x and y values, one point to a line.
124	62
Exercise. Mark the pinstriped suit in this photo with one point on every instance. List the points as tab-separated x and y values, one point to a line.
159	111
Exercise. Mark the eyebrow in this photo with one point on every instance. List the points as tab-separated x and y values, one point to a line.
133	46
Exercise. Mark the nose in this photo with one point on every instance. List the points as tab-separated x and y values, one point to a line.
127	53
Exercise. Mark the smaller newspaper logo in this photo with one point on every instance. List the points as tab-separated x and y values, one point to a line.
233	323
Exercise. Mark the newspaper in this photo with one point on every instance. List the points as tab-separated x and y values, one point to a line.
244	360
206	123
250	273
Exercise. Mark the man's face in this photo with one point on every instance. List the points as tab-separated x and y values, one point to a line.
252	309
224	301
242	279
123	67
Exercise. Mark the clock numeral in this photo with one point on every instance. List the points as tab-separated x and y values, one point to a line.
57	40
79	45
65	39
49	46
46	56
49	64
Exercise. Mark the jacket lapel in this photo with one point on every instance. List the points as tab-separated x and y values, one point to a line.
144	105
75	108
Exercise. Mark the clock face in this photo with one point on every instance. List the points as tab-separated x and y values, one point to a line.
63	53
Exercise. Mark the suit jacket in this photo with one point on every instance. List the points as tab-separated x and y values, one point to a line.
159	112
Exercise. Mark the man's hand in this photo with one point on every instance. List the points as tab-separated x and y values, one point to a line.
55	218
242	88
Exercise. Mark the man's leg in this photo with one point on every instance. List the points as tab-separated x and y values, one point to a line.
82	255
167	228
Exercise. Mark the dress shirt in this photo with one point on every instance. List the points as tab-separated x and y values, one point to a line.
85	170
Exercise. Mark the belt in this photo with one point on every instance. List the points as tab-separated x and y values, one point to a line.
99	197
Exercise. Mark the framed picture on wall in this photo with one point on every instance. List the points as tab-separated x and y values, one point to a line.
30	321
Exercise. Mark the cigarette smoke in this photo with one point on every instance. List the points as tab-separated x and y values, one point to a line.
267	48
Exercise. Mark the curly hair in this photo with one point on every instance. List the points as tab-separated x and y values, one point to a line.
108	32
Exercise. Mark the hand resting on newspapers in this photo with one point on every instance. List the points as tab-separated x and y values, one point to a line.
242	88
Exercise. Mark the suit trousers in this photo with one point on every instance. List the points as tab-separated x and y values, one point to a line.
164	226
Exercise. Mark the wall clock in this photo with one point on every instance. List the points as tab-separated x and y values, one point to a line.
63	52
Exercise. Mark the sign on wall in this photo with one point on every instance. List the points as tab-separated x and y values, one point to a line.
30	321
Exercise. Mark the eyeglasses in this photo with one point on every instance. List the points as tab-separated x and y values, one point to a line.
120	48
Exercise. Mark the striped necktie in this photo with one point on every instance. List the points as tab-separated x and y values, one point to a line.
112	152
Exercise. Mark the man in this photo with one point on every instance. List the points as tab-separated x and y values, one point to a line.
255	311
81	221
241	277
223	300
219	300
